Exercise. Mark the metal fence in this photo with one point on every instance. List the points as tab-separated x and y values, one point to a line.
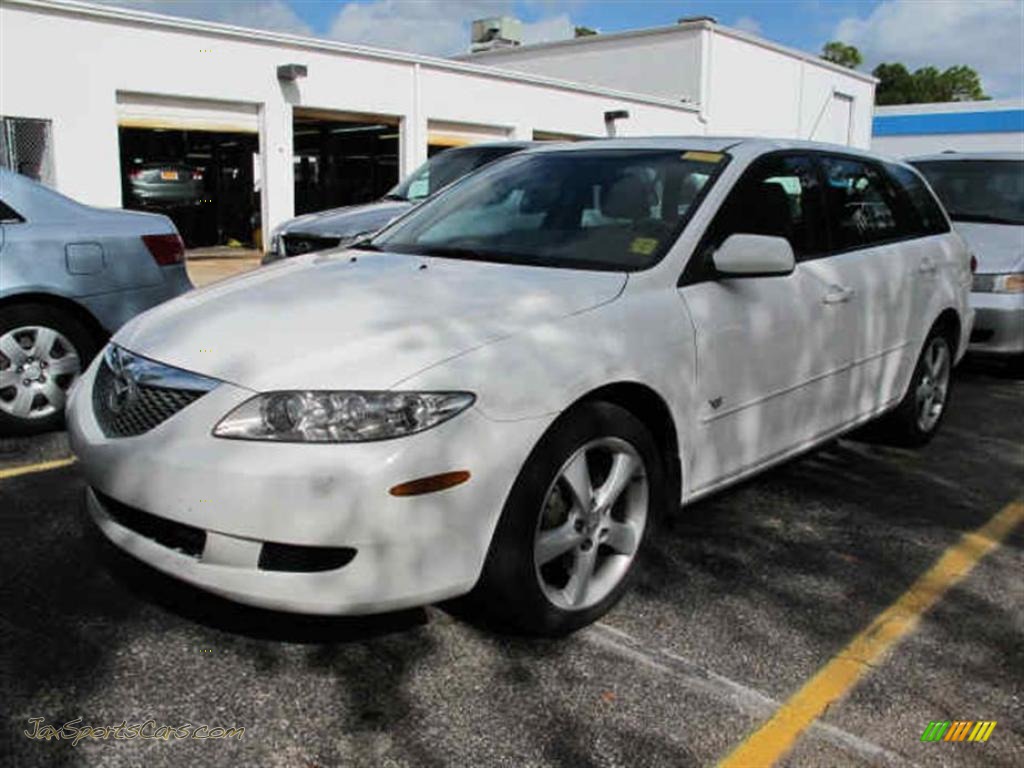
26	146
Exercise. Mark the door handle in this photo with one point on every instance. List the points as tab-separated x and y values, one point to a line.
927	267
838	294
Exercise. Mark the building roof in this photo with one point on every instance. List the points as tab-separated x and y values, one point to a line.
682	26
195	26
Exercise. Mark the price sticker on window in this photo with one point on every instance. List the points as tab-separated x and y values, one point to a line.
644	246
703	157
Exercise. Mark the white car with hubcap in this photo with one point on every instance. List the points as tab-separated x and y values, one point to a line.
501	392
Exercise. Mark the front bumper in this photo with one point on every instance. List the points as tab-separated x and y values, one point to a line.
409	550
998	323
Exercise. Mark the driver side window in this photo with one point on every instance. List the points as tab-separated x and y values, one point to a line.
779	196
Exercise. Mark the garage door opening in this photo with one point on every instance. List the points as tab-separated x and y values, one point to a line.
444	134
206	181
343	159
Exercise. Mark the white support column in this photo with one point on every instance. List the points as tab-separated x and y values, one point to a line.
278	192
521	132
412	142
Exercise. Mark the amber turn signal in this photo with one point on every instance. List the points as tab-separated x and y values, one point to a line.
430	484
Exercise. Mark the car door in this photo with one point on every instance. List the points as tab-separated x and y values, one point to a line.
768	348
875	261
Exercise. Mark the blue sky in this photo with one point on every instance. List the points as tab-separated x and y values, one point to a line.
803	24
985	34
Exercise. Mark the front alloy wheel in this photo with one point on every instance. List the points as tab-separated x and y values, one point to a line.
574	524
591	524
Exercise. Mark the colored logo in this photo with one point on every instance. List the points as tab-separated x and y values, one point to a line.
959	730
125	390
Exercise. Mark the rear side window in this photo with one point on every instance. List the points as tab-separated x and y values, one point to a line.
860	203
925	214
7	213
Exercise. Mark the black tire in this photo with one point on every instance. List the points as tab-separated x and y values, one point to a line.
82	339
902	426
509	594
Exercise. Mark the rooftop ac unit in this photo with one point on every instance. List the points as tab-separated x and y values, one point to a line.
500	32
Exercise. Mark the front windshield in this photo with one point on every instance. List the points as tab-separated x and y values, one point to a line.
611	209
987	191
441	170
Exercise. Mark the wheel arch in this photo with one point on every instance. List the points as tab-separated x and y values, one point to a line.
72	307
949	323
653	411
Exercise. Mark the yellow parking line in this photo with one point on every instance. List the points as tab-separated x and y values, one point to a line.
777	736
42	466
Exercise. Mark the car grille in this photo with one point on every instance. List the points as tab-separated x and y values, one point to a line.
145	408
182	538
296	245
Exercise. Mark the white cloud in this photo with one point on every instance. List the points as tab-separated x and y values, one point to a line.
274	15
984	34
436	27
748	24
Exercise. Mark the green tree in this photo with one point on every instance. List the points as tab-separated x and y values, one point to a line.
896	85
585	32
842	54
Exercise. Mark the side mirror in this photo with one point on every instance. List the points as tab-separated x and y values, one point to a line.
754	256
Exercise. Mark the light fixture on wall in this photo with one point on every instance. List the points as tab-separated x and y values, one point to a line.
611	116
291	72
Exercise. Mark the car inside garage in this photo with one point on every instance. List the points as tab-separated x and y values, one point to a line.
342	158
203	180
196	161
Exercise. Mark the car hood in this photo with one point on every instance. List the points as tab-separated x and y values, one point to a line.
999	247
347	221
355	320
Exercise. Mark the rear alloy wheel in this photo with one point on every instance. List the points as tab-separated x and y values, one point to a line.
933	387
575	523
916	419
42	352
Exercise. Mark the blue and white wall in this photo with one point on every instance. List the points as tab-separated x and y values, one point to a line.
964	126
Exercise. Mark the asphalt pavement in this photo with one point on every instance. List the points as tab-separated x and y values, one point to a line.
745	597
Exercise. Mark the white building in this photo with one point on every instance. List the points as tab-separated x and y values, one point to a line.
90	94
742	84
961	126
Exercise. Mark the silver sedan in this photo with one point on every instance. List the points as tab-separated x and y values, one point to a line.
70	275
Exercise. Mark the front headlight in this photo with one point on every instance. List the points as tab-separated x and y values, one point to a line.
339	417
1011	283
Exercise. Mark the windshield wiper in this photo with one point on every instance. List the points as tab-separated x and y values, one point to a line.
454	253
395	196
982	218
365	245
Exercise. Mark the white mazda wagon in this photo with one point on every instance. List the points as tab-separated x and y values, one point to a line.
501	392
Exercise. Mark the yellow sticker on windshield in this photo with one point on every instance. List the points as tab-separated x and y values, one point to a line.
703	157
644	246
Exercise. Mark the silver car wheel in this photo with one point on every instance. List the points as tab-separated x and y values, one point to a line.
37	366
934	385
591	524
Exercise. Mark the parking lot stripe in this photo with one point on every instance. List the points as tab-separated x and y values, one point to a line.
745	699
777	736
42	466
